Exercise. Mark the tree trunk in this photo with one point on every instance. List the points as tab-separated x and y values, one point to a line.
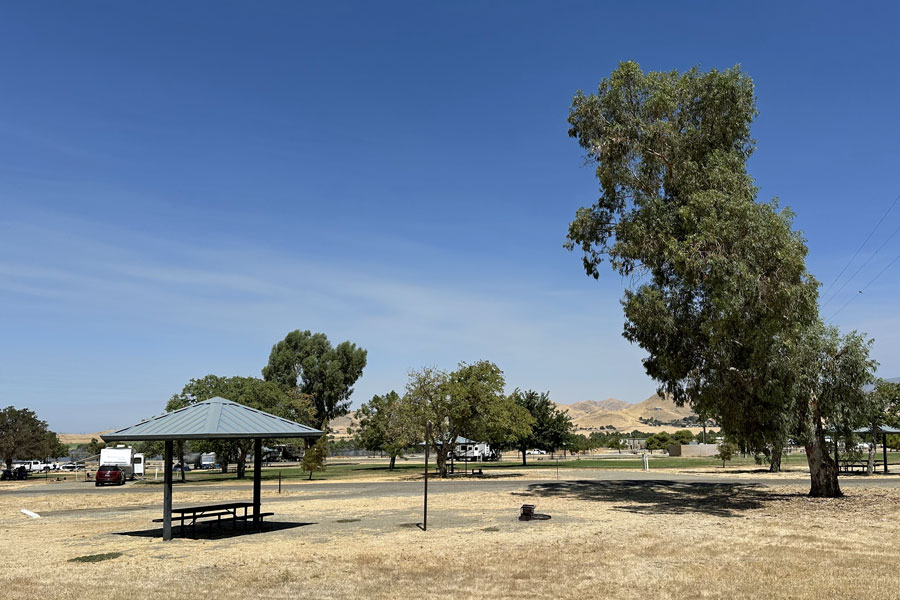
440	455
393	460
224	466
823	471
870	466
524	460
241	462
775	458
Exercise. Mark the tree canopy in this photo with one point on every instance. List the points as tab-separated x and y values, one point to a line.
387	424
267	396
468	402
550	426
722	303
307	362
24	436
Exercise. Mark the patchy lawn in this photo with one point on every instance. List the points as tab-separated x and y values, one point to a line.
606	539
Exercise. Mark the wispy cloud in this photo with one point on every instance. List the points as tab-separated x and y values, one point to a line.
544	338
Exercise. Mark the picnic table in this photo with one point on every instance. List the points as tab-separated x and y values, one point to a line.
851	465
213	513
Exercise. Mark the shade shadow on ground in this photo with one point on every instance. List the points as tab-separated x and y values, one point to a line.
664	497
216	532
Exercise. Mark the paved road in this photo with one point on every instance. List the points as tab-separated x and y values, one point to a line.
375	489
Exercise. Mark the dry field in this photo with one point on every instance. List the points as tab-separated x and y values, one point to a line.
606	539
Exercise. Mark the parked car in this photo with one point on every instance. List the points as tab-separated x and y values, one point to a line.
71	467
109	474
535	452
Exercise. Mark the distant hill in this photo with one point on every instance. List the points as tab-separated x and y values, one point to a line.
81	438
585	407
625	416
589	415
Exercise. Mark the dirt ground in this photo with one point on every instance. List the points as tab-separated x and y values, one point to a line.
606	539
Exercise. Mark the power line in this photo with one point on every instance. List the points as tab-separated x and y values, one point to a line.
862	266
854	297
858	250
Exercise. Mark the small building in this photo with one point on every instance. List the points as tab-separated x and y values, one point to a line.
693	450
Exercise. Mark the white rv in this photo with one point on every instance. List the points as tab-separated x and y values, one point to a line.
469	450
126	458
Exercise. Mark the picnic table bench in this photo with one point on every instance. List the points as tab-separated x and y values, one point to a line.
211	514
851	465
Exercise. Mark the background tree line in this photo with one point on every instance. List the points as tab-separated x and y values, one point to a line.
438	407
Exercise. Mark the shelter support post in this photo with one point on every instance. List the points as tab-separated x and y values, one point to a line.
167	491
884	450
257	479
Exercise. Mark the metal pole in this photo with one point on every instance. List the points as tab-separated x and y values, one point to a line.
425	507
167	491
279	482
884	450
257	479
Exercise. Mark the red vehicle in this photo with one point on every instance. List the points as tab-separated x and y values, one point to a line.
109	474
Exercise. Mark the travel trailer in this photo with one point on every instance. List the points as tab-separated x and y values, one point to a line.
125	458
469	450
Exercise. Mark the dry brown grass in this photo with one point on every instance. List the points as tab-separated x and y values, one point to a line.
605	540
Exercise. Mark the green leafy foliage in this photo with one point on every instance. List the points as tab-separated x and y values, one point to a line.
884	402
95	446
550	426
315	456
307	362
659	441
386	424
468	402
24	436
726	452
250	391
724	304
711	436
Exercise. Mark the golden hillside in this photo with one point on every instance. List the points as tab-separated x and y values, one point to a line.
589	415
624	416
81	438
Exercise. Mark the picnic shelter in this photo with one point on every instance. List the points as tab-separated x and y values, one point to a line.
213	419
874	431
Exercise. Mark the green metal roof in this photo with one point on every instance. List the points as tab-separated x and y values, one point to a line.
213	419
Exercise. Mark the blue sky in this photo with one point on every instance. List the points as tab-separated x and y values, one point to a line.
183	184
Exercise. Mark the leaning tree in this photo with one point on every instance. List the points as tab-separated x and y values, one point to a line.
721	298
